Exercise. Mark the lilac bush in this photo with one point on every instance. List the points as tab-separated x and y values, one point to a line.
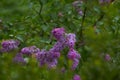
47	58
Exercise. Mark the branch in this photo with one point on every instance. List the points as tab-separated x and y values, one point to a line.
99	19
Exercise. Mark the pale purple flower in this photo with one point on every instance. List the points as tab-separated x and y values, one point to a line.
47	57
107	57
52	63
59	46
53	54
76	77
9	45
19	58
30	50
75	64
51	58
41	57
76	3
73	54
80	12
70	40
58	33
104	1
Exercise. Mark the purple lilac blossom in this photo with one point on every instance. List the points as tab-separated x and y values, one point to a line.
47	57
58	33
53	54
75	64
80	12
76	77
59	46
70	40
30	50
50	57
9	45
73	54
41	57
19	58
76	5
107	57
52	63
104	1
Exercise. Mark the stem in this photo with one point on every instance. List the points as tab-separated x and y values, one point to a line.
40	11
81	41
41	6
99	19
82	24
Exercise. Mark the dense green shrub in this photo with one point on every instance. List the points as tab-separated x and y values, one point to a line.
31	21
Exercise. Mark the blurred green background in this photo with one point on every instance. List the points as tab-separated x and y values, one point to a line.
31	21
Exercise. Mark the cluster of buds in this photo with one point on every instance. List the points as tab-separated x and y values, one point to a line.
77	5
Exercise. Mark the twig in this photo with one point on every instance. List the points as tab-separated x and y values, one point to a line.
82	23
99	19
41	6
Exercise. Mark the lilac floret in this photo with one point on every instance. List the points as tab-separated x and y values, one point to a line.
59	46
75	64
104	1
47	57
41	57
9	45
76	77
58	33
107	57
52	63
73	54
70	40
19	58
30	50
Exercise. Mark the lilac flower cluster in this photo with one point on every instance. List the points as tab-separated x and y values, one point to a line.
47	57
19	58
107	57
72	54
76	77
63	40
30	50
9	45
76	4
50	57
104	1
25	51
58	33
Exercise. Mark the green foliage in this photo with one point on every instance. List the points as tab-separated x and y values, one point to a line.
31	22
